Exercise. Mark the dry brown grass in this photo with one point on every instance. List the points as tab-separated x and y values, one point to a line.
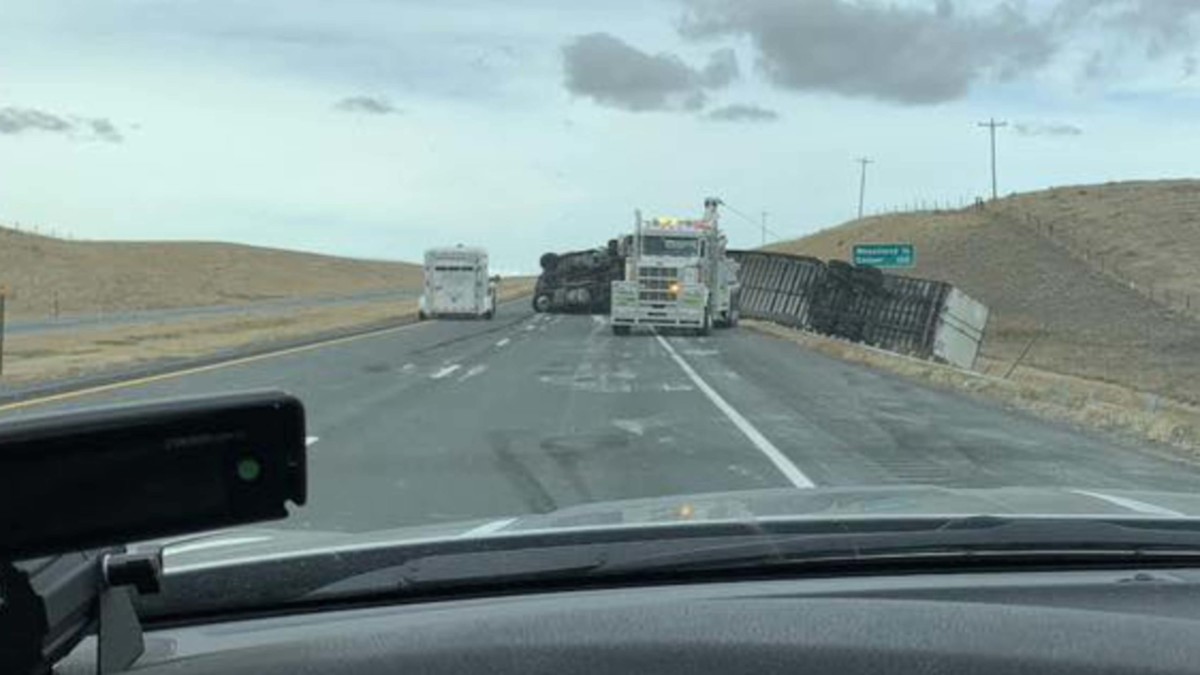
1087	403
101	276
1084	320
58	356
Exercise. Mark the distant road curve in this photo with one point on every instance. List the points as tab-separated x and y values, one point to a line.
102	320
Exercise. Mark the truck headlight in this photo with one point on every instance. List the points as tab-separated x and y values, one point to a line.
674	288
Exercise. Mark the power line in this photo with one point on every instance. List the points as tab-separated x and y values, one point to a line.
761	224
992	125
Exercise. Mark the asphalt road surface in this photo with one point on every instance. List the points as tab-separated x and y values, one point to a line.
447	421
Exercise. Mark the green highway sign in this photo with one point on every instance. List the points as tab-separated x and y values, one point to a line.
885	256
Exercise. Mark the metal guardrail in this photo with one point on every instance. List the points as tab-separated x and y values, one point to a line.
897	313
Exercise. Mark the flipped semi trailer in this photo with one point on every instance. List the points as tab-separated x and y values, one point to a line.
579	281
677	275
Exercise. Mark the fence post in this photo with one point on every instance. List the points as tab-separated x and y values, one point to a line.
1021	356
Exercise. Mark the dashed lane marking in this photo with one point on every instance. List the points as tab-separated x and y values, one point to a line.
448	370
472	372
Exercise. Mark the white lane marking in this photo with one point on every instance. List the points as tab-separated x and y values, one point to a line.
599	319
635	427
503	342
409	366
309	440
1131	504
211	543
489	528
445	371
781	462
530	327
474	370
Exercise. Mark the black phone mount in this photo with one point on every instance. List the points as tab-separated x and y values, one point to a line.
75	488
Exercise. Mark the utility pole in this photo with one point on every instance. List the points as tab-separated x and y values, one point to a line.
992	125
862	183
764	228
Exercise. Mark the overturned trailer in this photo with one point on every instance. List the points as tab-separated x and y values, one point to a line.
923	317
579	281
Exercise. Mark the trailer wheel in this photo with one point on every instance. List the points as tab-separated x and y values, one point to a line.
620	330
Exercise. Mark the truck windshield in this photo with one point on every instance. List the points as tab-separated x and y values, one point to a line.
683	247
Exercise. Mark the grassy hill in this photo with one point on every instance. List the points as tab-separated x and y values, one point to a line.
1102	281
102	276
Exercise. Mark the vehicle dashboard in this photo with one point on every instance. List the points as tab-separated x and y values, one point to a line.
1126	621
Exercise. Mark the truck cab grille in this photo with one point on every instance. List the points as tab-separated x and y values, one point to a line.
654	283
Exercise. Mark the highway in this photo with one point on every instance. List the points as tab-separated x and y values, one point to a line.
447	421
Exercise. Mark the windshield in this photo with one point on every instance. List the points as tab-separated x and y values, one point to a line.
676	247
954	251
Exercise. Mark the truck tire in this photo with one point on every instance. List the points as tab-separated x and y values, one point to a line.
620	331
421	315
489	315
705	327
541	303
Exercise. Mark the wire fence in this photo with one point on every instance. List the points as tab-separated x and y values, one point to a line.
1105	260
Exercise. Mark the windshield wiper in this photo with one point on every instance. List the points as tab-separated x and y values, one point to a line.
848	547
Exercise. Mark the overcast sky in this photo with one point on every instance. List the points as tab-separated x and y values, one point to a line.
378	128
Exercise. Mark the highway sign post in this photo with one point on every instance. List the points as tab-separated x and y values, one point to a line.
885	256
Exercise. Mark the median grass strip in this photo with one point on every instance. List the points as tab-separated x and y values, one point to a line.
52	357
1087	403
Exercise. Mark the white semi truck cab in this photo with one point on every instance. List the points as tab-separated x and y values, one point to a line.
457	284
676	276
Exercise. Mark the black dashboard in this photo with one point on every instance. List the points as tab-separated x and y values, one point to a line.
1110	621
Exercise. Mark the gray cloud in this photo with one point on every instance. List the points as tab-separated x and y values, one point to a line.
19	120
722	69
371	105
1161	27
937	51
611	72
743	113
890	52
15	120
1038	129
105	130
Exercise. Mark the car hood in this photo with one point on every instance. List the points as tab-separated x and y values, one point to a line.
740	507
